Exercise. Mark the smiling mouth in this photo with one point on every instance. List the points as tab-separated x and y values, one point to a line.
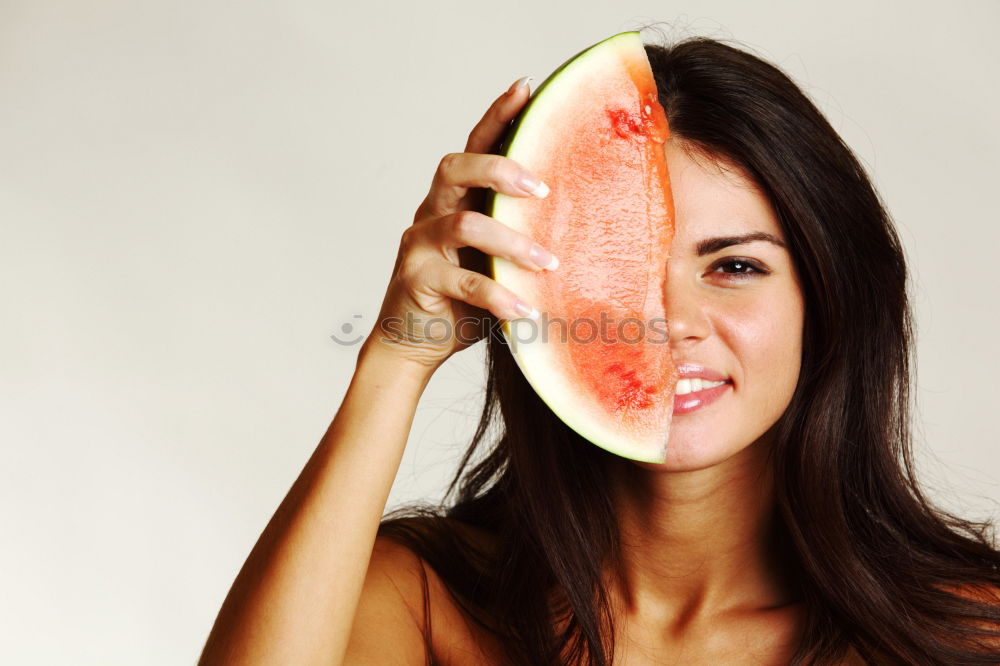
690	385
694	393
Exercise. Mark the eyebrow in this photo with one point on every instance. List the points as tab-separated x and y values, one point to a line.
710	245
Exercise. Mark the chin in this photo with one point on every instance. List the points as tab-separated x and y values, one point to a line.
687	456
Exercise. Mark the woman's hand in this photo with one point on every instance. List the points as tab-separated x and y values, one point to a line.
438	300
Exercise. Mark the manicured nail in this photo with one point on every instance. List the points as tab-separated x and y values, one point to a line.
543	257
523	81
533	186
523	310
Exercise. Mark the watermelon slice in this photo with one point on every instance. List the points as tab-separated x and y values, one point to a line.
594	132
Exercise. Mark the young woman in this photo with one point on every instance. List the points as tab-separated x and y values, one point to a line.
785	526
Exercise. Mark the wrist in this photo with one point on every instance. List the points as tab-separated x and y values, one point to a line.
392	363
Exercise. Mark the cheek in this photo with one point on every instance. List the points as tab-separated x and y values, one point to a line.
765	334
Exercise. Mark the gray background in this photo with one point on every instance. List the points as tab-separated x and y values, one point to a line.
195	195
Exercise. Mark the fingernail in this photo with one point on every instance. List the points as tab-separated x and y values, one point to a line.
523	310
523	81
533	186
543	257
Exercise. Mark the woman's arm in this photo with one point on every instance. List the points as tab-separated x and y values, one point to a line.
297	596
294	600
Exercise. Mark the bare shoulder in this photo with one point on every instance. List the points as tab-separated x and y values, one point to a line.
392	616
388	626
457	639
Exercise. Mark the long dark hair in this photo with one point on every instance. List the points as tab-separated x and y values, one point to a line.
880	569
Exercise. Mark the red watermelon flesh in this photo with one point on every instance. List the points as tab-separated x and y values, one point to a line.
594	132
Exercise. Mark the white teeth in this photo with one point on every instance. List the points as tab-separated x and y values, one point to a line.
694	384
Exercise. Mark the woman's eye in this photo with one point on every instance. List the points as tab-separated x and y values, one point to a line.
739	269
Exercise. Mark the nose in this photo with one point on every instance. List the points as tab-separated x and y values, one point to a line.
684	306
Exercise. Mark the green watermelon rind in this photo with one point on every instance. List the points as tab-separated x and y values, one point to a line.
589	428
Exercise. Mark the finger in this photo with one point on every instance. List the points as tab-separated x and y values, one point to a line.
457	172
471	229
490	129
477	290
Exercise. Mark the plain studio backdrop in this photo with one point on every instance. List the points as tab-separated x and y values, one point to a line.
194	196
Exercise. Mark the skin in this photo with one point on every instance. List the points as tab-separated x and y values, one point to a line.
699	565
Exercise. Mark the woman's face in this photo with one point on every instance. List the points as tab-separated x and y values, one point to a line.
734	307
